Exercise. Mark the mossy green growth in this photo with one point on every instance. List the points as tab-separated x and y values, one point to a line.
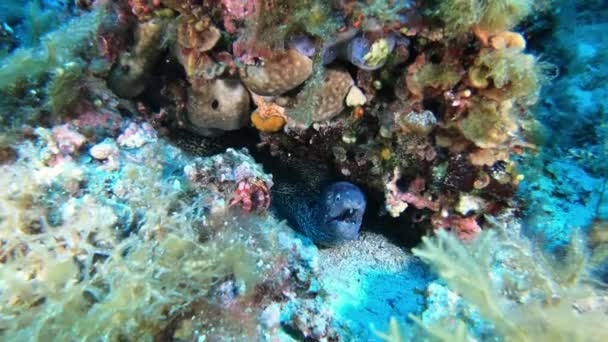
384	11
275	21
24	72
63	91
488	124
303	112
56	48
460	16
534	297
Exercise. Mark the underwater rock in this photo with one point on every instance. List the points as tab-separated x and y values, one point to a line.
220	104
328	100
136	136
417	123
355	97
279	74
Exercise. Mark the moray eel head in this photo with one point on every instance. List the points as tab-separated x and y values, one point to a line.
343	205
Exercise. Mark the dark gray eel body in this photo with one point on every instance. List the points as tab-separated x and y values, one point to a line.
329	213
329	217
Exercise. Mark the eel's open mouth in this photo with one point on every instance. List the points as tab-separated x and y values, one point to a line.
348	215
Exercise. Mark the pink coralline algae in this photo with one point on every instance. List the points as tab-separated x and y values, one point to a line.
68	140
136	136
397	201
466	228
236	10
232	178
251	195
62	143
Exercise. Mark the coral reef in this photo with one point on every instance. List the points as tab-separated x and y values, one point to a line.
170	246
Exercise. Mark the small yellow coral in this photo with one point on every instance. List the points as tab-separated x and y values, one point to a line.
385	153
478	78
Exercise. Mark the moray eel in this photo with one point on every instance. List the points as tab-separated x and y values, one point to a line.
329	213
339	212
